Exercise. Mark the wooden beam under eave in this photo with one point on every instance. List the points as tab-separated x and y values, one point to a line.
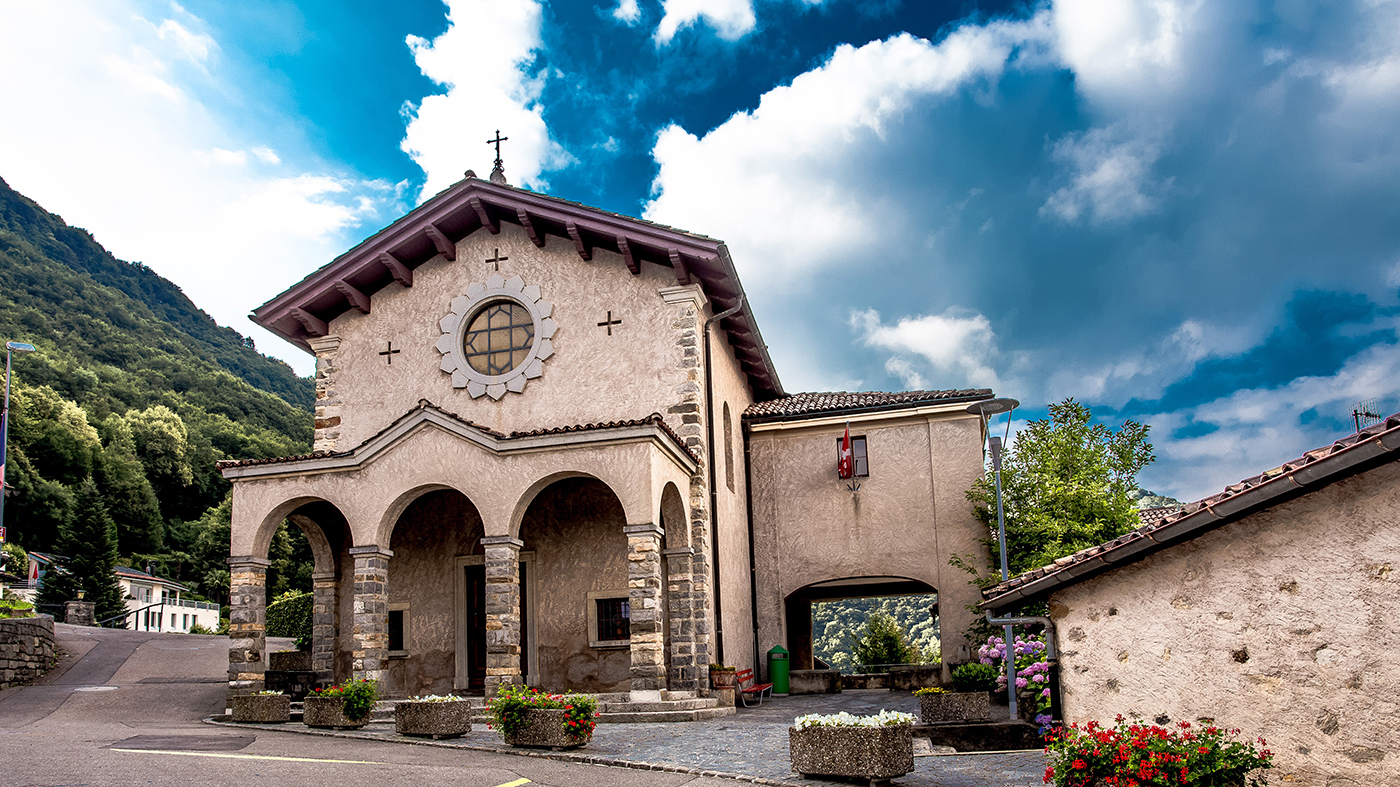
625	249
535	235
445	247
397	269
583	250
314	325
486	220
682	270
356	298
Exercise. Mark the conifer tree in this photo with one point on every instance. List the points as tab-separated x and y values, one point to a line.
89	540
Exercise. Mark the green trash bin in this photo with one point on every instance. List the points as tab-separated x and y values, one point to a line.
778	669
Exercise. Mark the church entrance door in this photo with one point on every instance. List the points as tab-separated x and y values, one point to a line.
476	624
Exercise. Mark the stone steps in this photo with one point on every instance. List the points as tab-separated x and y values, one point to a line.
653	717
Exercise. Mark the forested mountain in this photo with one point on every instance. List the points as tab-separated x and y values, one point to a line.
837	624
135	386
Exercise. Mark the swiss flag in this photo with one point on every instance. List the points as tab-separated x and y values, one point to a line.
845	465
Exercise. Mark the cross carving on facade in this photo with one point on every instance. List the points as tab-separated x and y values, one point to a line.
390	353
610	322
497	259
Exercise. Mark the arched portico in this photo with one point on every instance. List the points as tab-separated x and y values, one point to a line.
798	606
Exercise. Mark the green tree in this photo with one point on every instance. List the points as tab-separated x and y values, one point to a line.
16	560
162	443
883	642
1067	484
129	495
210	553
89	540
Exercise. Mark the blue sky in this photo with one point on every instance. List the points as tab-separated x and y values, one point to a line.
1180	212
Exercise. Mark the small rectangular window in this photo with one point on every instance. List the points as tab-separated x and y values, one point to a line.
859	459
396	630
614	619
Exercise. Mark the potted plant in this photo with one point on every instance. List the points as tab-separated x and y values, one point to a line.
263	707
526	717
433	716
1148	754
346	706
722	677
940	706
875	747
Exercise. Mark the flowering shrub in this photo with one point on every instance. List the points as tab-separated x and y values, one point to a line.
927	691
1141	755
507	710
358	697
438	698
885	718
1032	671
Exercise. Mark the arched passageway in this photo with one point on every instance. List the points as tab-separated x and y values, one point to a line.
332	584
436	597
798	607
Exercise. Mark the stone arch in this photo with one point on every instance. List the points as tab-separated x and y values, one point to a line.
320	546
797	605
384	531
672	518
532	492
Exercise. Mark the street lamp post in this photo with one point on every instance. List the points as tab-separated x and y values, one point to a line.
10	349
986	409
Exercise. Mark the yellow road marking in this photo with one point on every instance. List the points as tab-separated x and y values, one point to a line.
515	783
253	757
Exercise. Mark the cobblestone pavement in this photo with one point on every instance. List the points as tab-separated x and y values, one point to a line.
753	743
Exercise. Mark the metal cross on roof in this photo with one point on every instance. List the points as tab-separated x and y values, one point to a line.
499	171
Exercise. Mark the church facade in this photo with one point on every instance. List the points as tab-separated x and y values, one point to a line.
551	448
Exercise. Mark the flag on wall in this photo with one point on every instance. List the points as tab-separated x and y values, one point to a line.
845	464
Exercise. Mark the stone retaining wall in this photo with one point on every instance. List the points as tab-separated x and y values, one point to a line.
26	649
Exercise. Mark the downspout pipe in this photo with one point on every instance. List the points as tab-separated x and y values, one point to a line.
1052	659
710	462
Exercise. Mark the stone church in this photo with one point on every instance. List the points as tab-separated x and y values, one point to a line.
551	448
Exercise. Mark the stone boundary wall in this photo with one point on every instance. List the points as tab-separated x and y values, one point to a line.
26	649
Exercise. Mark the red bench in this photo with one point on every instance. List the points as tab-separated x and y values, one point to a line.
759	690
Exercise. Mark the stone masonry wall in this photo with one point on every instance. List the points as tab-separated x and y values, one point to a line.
26	649
1282	624
328	401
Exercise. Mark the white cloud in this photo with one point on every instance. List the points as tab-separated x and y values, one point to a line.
266	155
1127	49
130	150
483	60
959	345
730	19
907	374
770	182
1110	178
628	12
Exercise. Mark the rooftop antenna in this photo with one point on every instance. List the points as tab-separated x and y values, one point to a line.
498	173
1366	413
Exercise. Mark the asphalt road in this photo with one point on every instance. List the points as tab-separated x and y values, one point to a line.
125	708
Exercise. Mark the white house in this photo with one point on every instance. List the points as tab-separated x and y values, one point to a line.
157	604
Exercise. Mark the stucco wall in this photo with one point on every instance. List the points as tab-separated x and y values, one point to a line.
592	377
422	573
731	509
908	518
1283	624
575	530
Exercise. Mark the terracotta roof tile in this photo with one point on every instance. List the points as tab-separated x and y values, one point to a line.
818	402
1154	519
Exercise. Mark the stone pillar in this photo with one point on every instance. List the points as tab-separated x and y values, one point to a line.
502	612
685	675
247	624
328	404
324	590
80	613
644	594
371	628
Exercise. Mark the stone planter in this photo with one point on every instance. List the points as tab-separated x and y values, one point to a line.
436	720
722	679
546	729
955	706
262	708
874	753
329	712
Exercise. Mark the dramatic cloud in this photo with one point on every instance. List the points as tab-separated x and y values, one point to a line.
121	138
628	12
958	346
484	61
730	19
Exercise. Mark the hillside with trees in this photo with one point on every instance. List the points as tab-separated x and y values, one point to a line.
137	389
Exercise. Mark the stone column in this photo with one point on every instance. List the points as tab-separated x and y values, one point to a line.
371	627
502	612
323	611
247	624
644	595
328	404
685	675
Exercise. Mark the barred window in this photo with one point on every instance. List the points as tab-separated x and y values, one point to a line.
614	619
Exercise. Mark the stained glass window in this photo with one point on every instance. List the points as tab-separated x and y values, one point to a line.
499	337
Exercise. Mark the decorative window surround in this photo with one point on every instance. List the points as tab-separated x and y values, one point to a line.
465	307
406	638
593	599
